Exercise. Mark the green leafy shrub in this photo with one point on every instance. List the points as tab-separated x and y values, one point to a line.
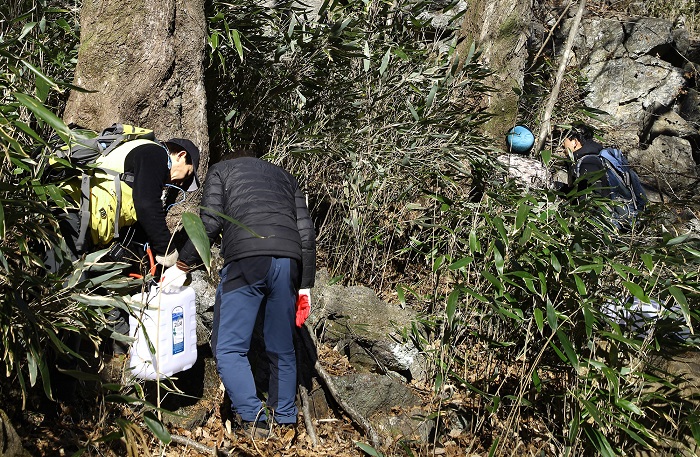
41	312
369	105
528	279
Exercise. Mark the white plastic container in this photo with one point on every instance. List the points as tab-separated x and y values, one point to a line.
169	320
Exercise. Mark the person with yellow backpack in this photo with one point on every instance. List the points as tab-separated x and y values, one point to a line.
125	173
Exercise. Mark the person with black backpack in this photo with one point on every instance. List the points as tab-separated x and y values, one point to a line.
606	171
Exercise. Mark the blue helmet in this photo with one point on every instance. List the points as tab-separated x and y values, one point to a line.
520	139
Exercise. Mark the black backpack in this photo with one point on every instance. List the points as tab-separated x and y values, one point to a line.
623	185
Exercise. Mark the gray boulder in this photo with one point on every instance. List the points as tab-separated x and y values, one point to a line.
652	36
671	123
668	165
689	108
204	286
366	329
599	40
625	87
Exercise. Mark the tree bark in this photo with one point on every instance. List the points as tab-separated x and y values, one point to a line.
500	30
143	61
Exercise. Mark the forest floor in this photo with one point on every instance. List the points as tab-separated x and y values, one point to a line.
66	433
103	419
87	424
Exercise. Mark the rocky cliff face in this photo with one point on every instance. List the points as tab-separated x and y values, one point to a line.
641	74
640	78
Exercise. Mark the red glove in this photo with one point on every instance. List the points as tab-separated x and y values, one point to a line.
303	306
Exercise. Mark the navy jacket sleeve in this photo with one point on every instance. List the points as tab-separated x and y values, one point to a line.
212	198
308	241
149	164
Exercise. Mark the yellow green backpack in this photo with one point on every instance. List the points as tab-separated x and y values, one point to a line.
80	159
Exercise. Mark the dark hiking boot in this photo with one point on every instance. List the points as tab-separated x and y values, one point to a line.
256	430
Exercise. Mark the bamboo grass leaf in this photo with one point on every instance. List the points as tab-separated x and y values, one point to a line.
44	114
498	260
470	54
26	29
600	442
677	240
495	281
369	450
474	245
157	427
568	349
552	316
431	96
682	301
539	320
385	61
452	306
461	263
522	214
554	261
695	429
198	235
580	285
2	223
636	290
413	111
629	406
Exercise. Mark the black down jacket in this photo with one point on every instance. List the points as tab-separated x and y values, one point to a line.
265	200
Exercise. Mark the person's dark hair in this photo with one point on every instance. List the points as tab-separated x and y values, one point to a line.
579	132
236	153
174	148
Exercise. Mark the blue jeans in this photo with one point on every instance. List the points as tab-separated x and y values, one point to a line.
235	313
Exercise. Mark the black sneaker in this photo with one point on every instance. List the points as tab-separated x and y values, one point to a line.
256	430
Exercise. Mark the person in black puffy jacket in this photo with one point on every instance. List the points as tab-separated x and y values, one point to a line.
269	255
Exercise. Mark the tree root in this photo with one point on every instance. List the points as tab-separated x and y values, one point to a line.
199	447
310	427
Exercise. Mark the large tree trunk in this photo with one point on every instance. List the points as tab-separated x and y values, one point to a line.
500	30
144	60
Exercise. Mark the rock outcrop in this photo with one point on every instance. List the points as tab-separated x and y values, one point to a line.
638	72
10	443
